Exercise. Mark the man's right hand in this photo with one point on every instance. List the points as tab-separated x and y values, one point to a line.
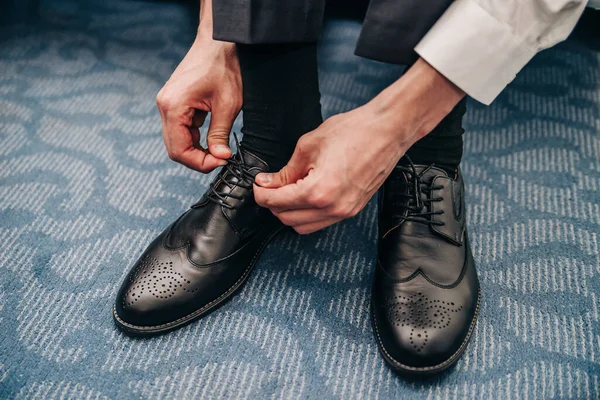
207	80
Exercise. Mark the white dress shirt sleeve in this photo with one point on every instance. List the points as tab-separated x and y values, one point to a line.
481	45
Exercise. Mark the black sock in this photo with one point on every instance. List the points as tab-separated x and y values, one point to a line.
281	98
444	145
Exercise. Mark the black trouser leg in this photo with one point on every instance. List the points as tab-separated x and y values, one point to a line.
281	98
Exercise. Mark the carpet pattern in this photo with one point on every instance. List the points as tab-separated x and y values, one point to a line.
85	184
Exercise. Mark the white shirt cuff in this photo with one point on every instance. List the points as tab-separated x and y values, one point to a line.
474	50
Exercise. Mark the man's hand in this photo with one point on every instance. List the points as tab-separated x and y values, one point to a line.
333	172
207	80
337	168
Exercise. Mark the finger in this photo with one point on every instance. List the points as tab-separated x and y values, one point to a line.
200	160
289	197
221	121
315	226
183	146
211	162
296	169
302	216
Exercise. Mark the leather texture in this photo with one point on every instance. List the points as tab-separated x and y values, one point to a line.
425	292
202	258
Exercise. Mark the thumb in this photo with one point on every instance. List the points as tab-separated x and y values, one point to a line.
291	173
218	133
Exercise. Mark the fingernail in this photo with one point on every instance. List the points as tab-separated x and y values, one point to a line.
264	179
221	147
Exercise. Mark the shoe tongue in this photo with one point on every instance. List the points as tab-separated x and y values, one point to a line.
253	162
426	172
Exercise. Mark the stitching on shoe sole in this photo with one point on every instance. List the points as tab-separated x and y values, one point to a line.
205	307
434	368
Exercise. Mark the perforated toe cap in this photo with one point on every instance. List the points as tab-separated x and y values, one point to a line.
418	330
155	292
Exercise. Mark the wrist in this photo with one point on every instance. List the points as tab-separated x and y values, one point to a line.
417	102
205	41
205	30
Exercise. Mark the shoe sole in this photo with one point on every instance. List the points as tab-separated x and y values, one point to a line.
149	330
423	372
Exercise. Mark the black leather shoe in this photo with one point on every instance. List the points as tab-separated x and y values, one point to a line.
426	295
202	258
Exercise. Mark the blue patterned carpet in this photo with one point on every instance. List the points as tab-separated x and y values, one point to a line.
85	184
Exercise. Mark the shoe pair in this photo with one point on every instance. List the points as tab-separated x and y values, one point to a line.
425	292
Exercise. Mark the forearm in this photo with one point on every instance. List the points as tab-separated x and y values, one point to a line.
416	102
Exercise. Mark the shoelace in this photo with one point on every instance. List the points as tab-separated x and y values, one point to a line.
237	168
416	203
